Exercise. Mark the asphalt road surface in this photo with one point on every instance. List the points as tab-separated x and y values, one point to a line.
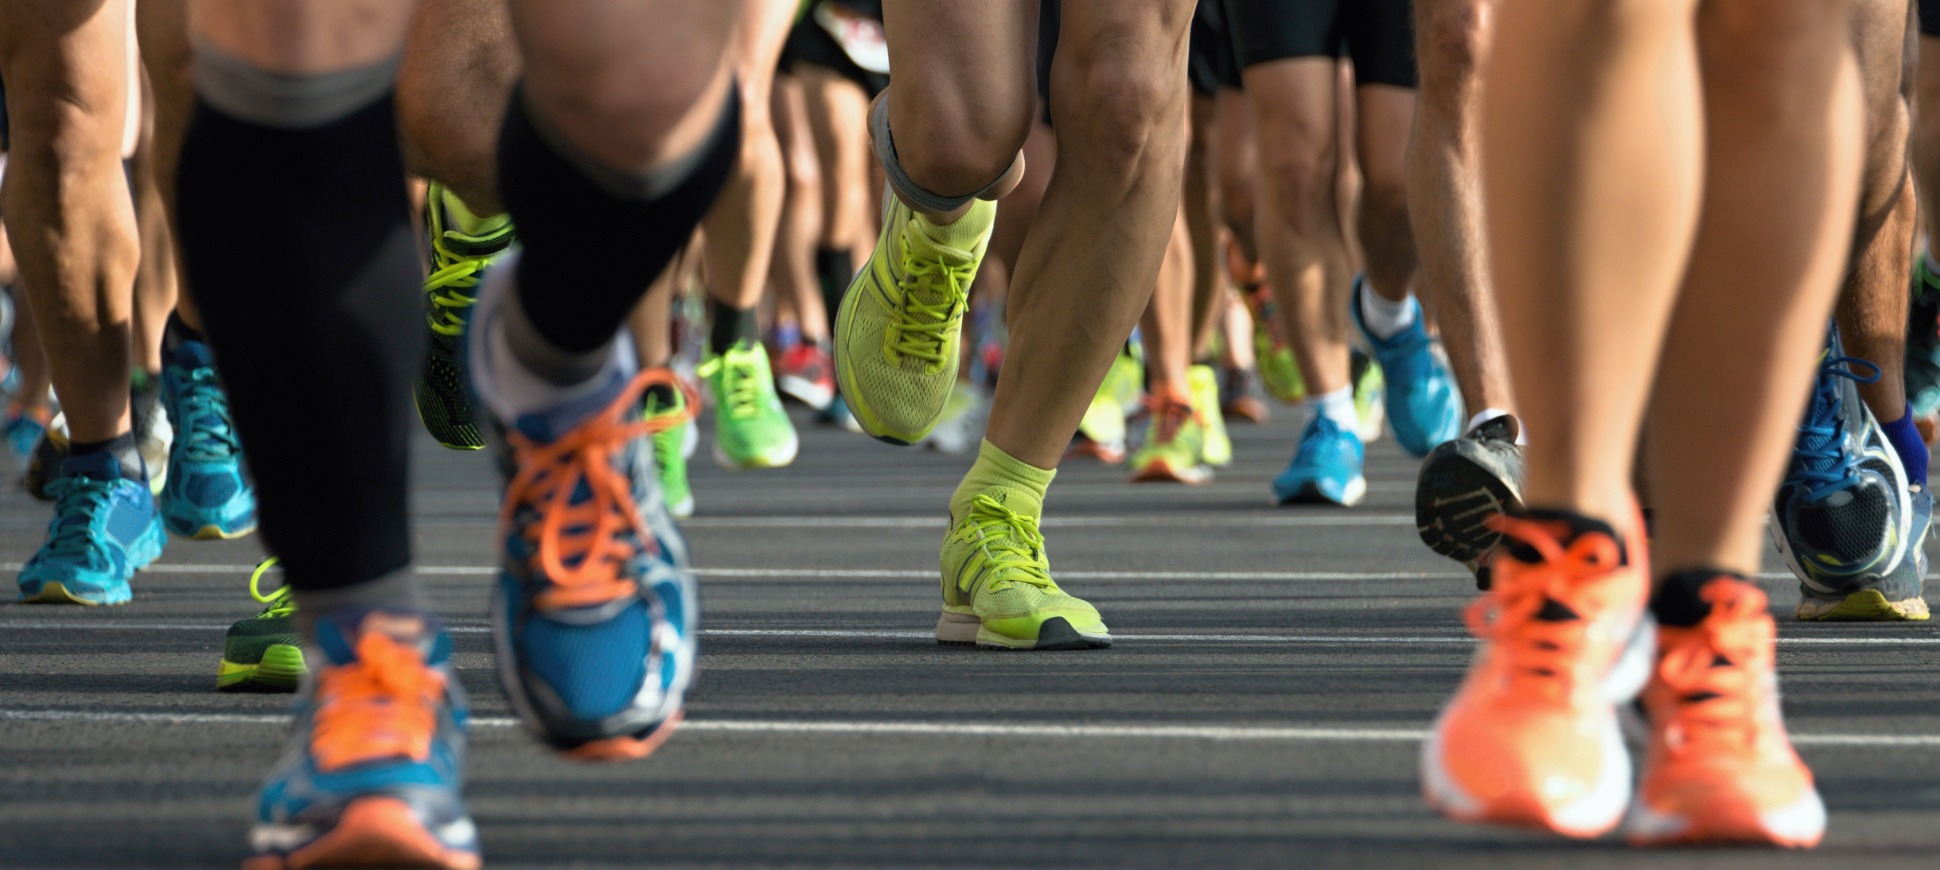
1274	670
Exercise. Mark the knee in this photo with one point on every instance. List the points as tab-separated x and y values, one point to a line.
599	105
1298	171
1123	109
961	153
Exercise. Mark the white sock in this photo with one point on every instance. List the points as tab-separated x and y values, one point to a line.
1386	319
1337	406
507	387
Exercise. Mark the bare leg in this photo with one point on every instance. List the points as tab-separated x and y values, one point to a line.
65	64
1926	129
1167	323
837	112
459	65
1236	167
1385	114
741	228
801	216
1208	284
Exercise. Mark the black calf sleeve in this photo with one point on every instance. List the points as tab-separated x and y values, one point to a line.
593	245
299	245
834	269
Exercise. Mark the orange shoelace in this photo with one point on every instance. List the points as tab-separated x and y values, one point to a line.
383	705
1540	651
587	535
1714	668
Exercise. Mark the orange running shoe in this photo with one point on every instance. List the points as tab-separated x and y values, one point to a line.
1531	738
1720	768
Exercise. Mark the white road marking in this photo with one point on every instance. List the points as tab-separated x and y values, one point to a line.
953	729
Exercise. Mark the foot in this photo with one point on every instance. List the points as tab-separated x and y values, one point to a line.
1370	396
805	372
105	528
1464	485
24	427
1844	517
666	409
458	263
1175	445
899	327
751	429
263	653
962	426
1279	372
1720	768
997	587
1218	448
374	770
1325	468
1423	405
1531	738
206	495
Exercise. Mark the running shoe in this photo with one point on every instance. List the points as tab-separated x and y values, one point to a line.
153	434
374	773
1101	434
1174	448
897	332
1423	405
1217	449
1370	392
665	407
24	427
1464	485
1125	381
206	495
1923	342
105	528
751	429
1532	737
595	613
962	426
263	653
458	263
1720	768
997	586
1325	468
1843	518
1238	402
804	372
44	461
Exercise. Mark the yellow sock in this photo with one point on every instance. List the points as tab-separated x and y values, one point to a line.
1017	484
470	224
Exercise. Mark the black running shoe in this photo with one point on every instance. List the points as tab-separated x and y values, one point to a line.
458	263
1463	484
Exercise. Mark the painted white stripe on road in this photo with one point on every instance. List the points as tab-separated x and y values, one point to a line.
942	729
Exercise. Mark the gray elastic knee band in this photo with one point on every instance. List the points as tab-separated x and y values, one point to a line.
892	169
250	93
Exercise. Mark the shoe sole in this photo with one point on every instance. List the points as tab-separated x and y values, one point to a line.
1454	500
626	748
55	592
1054	634
805	391
1309	493
1107	453
371	832
215	533
1162	472
1799	826
1866	605
281	670
781	458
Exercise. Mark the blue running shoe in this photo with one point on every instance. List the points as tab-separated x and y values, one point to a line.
205	495
1424	406
23	430
104	530
595	616
374	773
1846	519
1325	468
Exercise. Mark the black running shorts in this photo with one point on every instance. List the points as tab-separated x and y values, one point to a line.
1209	60
809	44
1930	17
1378	35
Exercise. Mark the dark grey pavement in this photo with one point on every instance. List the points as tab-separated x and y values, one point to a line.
1261	709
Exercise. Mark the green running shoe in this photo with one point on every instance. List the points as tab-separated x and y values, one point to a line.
667	403
900	324
262	653
997	586
458	263
1217	450
750	428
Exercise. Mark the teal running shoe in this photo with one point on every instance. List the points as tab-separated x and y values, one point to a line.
1424	407
374	773
105	528
205	496
751	429
1325	468
23	431
263	653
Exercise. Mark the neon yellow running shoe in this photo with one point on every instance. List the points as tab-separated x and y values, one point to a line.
997	586
458	263
750	428
661	402
1218	448
262	653
1175	445
1370	396
900	324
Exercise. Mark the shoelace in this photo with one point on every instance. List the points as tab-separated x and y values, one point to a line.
455	272
916	327
1539	651
1012	541
383	705
278	603
588	534
1715	669
204	431
78	502
1825	467
1168	415
742	377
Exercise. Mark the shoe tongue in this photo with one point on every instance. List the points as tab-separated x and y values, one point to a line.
1017	499
546	426
339	630
193	355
